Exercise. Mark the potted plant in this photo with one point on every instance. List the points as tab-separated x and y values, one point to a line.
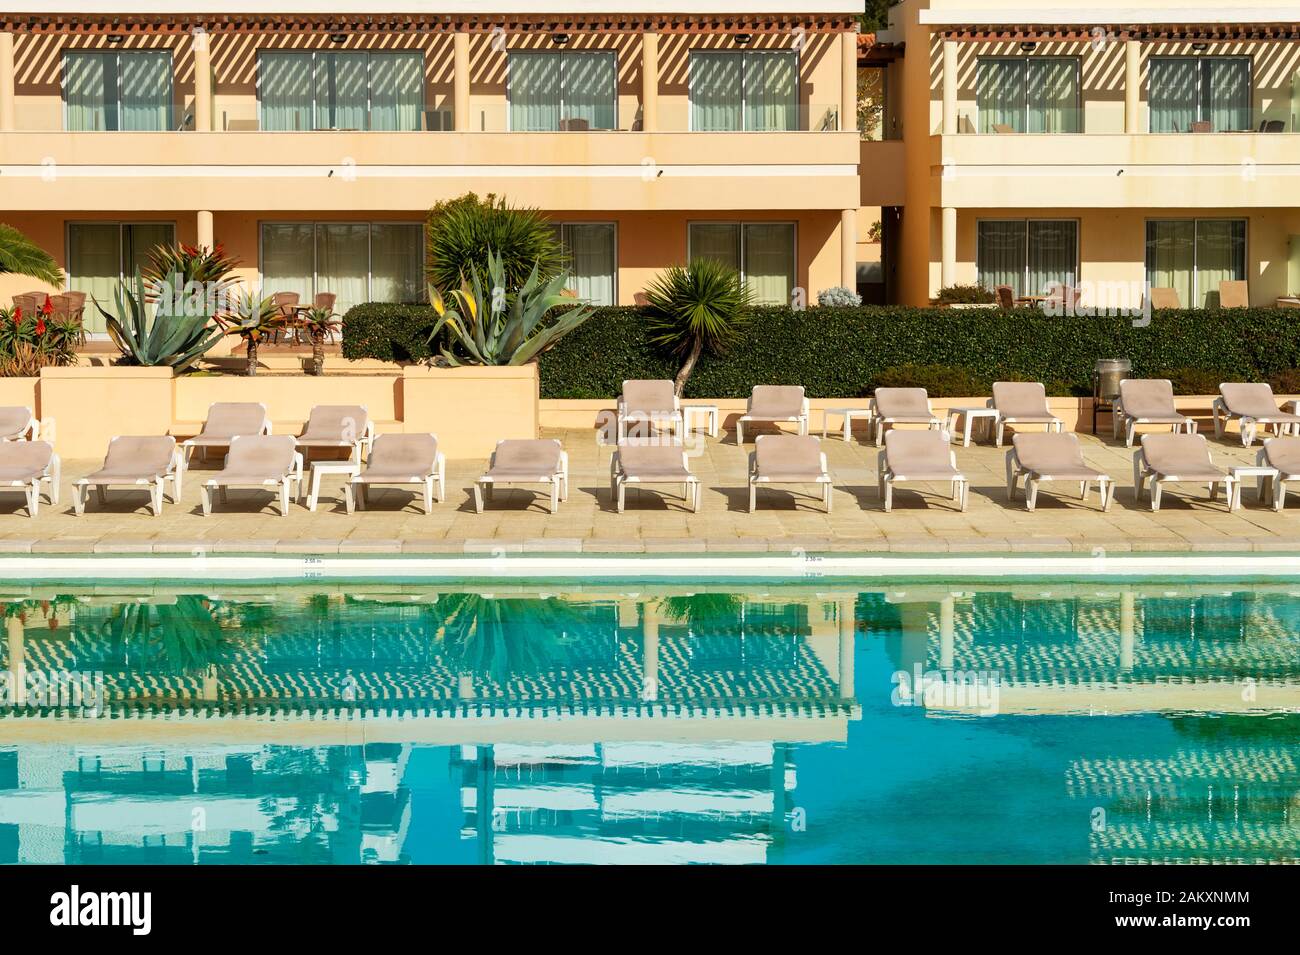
253	317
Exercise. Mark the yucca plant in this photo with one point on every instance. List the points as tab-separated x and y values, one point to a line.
493	327
253	317
156	335
319	324
697	308
463	232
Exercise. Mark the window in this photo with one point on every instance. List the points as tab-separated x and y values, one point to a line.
357	261
752	90
127	90
562	91
1031	255
1192	256
593	260
101	255
1213	89
329	89
1028	95
763	253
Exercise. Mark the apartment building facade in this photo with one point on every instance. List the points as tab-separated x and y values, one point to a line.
1111	146
310	139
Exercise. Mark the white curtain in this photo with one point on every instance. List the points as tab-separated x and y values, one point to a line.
1171	257
102	254
343	262
591	250
768	253
1000	94
715	89
87	78
396	262
1220	257
1052	95
1174	94
715	240
1229	93
1000	254
285	91
396	90
533	88
145	80
1053	255
771	90
588	88
342	90
288	259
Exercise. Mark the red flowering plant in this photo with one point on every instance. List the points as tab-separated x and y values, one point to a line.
30	342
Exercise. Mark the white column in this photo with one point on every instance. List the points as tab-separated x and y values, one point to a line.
202	83
847	628
946	630
849	248
949	87
16	637
948	240
849	81
1132	86
1127	616
6	81
650	82
203	230
460	81
650	651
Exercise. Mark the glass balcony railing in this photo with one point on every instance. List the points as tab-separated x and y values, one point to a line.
1071	120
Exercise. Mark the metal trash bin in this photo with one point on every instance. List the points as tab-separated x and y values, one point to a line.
1106	376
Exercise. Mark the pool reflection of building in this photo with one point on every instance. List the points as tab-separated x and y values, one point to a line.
193	753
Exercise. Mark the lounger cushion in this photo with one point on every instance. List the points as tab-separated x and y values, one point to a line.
24	460
776	402
650	464
229	418
257	459
649	398
1150	399
14	421
919	456
1253	400
904	405
133	458
1180	457
522	459
1022	401
1053	455
335	426
788	457
1283	454
401	459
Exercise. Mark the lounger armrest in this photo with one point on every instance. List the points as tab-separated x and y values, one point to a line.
753	464
952	459
297	466
882	462
803	408
1261	456
825	470
564	465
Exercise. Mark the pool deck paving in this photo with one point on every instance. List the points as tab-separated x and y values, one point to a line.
924	520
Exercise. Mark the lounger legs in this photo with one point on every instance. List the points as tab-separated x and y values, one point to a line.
205	498
740	433
33	492
349	497
753	496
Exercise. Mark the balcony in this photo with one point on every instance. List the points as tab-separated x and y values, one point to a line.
347	170
1105	170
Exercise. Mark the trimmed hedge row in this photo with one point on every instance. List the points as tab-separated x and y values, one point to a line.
841	352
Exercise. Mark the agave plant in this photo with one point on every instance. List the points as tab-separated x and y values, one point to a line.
699	308
157	335
494	327
253	317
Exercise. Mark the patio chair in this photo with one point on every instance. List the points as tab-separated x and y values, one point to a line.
226	421
17	423
911	456
1234	295
258	461
286	303
1020	403
1039	458
338	426
788	459
1272	126
1164	298
1006	296
895	406
1147	401
401	459
651	464
1282	454
30	302
27	465
772	404
70	306
525	461
651	402
148	461
1174	459
1253	405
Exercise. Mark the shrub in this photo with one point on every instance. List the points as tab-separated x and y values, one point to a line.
1285	382
461	232
694	309
939	381
389	332
1193	381
965	295
837	296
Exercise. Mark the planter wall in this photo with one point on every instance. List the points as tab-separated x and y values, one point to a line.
470	409
92	404
288	398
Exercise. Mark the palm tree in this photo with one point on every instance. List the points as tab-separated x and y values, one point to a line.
697	308
19	255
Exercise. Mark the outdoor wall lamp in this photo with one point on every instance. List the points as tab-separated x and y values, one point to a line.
742	39
1028	46
559	39
1200	47
114	38
338	38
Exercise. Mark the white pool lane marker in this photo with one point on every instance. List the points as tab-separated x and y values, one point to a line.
290	568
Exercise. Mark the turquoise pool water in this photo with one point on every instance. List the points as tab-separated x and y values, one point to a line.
1053	723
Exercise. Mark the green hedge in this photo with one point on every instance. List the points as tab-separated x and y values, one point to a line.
840	352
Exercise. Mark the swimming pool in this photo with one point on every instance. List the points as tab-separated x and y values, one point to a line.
893	721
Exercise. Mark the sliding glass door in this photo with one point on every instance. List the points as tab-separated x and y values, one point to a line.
593	260
340	89
127	90
101	255
1214	90
357	261
1033	256
749	90
1192	256
762	252
1028	95
572	90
